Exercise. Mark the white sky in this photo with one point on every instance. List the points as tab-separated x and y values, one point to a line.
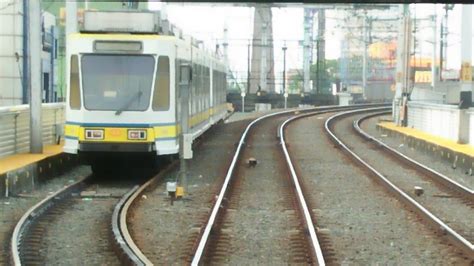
206	22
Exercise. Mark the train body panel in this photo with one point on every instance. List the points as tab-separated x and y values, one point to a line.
123	93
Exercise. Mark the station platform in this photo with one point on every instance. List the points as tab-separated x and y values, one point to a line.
17	161
457	154
22	172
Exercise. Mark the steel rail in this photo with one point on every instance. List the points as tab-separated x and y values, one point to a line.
430	218
32	214
301	199
217	206
205	237
280	134
129	249
438	177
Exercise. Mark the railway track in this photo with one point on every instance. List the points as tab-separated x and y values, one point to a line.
297	236
26	239
215	242
126	248
461	191
29	232
451	222
70	224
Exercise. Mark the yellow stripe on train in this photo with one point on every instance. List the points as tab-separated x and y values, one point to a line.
116	134
120	134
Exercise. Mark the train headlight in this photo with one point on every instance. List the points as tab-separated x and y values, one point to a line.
94	134
135	134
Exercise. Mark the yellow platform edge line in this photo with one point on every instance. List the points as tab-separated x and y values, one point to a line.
17	161
440	141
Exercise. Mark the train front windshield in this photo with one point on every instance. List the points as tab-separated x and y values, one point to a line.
117	82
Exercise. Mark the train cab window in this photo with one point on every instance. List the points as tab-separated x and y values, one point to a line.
161	96
116	82
74	91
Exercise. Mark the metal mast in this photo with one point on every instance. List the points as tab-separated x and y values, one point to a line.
308	36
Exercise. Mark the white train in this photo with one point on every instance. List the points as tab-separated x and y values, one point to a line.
122	91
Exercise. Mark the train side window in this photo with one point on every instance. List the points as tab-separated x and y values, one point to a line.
74	89
161	94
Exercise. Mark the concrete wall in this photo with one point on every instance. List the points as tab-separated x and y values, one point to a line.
420	94
471	126
379	91
437	119
11	38
450	89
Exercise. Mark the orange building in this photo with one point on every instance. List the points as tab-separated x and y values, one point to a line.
387	51
383	50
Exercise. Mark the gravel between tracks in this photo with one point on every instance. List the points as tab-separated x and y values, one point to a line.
162	231
260	219
79	234
365	224
436	198
434	162
11	209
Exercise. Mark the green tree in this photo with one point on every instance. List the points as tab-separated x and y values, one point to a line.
328	75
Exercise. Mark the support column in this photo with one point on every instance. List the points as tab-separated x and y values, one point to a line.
262	73
466	49
36	136
263	61
403	64
466	73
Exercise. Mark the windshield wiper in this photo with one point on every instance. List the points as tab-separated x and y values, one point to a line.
125	107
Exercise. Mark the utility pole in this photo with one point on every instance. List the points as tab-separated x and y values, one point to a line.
434	76
321	50
225	45
364	56
308	21
284	67
441	48
185	151
25	79
36	136
248	68
444	39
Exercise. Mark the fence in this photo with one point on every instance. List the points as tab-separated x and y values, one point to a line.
15	127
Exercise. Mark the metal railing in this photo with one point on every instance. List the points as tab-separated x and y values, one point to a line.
15	127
